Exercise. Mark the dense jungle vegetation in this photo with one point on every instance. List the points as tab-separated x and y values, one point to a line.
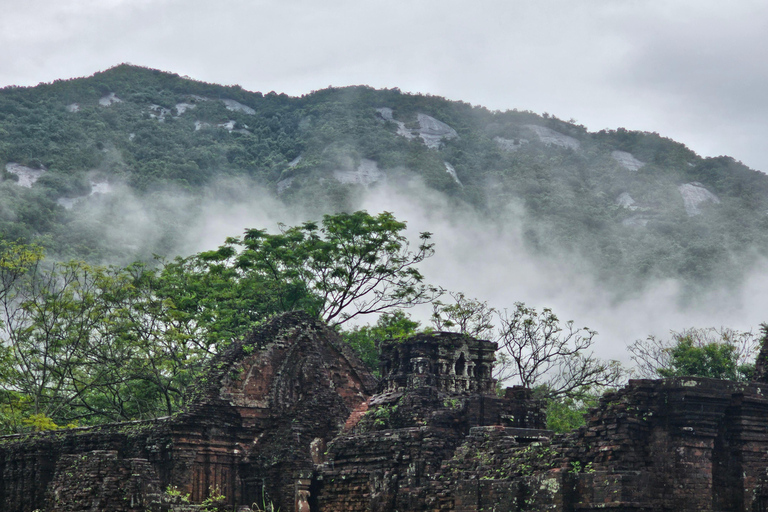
95	328
171	136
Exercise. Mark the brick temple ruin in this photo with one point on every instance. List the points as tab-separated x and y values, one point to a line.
290	415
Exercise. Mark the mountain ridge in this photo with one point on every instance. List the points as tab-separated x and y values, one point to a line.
637	205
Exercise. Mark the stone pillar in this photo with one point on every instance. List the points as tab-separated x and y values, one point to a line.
303	482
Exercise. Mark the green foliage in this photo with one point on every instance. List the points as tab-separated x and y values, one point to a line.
214	501
467	316
697	352
565	414
40	422
349	265
174	496
382	415
86	343
569	196
715	360
365	340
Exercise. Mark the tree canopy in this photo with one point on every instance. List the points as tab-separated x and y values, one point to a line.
85	344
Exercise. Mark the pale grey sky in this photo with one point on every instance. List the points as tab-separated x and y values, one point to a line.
692	70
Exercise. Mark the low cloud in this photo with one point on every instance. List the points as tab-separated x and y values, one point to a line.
482	255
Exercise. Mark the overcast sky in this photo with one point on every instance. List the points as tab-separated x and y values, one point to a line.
692	70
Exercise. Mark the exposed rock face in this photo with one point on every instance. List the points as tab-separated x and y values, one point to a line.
284	184
694	195
625	200
73	107
433	132
109	100
97	187
510	145
452	172
236	106
296	161
627	160
552	138
229	125
158	112
27	175
387	115
183	107
366	173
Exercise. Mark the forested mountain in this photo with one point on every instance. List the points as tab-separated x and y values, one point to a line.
637	206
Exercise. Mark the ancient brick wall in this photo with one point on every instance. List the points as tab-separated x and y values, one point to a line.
290	414
436	391
686	444
101	480
248	430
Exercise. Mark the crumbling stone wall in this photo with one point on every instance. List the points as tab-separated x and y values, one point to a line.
289	413
248	430
684	444
436	390
101	480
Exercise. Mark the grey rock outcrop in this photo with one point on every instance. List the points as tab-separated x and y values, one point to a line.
366	173
627	160
109	99
27	175
510	145
433	132
236	106
694	195
552	138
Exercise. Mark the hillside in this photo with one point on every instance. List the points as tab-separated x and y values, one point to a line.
77	155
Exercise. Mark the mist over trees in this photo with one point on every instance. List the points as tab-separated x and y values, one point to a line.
119	316
162	142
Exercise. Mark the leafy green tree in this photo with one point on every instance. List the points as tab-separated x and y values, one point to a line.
565	413
88	344
349	265
365	340
467	316
85	343
715	360
697	352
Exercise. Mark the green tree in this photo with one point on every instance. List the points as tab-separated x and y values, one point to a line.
557	359
697	352
365	340
348	265
567	413
467	316
715	360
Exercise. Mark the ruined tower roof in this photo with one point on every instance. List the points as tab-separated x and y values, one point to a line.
452	362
